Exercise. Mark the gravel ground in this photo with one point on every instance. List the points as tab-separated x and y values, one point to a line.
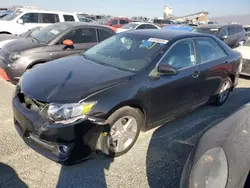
155	161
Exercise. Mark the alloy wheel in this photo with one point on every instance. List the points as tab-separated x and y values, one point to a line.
122	134
224	91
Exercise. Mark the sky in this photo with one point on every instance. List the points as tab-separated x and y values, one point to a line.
153	8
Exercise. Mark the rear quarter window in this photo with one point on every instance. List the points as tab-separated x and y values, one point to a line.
68	18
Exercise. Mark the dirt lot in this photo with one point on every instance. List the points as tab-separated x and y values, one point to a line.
156	160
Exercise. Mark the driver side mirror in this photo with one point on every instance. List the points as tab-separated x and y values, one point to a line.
20	21
68	43
167	70
224	37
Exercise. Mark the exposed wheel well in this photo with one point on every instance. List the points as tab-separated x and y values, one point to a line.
232	77
132	105
5	32
247	183
33	64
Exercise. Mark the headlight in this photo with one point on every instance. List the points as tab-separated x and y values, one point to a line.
15	56
211	170
68	113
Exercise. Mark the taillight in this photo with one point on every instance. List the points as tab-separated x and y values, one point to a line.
4	75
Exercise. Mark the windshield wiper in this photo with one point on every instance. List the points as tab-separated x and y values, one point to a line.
38	41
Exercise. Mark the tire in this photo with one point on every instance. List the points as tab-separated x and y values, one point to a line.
109	142
223	92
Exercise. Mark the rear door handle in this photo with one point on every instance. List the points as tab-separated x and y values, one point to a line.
196	74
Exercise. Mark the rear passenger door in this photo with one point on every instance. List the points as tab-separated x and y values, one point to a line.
212	66
233	36
83	39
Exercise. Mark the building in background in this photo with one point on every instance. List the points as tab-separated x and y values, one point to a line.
167	12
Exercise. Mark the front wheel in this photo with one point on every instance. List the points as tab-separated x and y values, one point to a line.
125	126
224	91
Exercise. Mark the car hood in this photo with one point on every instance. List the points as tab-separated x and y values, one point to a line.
69	80
21	44
4	42
8	37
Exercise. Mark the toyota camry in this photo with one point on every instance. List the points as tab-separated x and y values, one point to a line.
100	100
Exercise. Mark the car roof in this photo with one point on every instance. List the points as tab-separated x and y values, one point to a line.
164	34
46	11
76	24
216	26
141	23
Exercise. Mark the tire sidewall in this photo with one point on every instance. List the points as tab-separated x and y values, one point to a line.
122	112
218	102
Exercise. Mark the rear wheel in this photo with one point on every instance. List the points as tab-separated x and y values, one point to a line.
125	126
223	92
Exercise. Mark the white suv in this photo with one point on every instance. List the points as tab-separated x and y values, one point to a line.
22	20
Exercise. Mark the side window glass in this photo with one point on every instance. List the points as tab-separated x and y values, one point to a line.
148	26
102	35
114	22
143	26
240	29
232	30
181	55
68	18
50	18
82	36
123	21
223	32
209	50
30	18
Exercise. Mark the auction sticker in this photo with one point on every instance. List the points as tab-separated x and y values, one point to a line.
162	41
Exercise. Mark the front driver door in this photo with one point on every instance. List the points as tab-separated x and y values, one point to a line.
171	95
83	39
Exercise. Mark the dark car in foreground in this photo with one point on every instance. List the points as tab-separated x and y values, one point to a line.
131	82
233	35
53	42
221	158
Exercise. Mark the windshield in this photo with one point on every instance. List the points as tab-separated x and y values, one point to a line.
130	26
48	33
210	31
126	51
31	32
247	43
11	16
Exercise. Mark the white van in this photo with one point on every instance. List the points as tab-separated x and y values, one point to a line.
22	20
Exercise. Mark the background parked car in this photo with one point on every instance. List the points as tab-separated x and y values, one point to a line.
19	22
86	101
52	42
221	158
245	51
87	20
118	22
233	35
178	27
6	38
247	29
137	25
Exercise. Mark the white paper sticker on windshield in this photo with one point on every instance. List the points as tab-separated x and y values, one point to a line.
162	41
54	31
214	29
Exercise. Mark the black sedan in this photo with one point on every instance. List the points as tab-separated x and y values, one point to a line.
50	43
221	158
131	82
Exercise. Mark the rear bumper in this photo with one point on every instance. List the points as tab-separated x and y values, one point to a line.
65	144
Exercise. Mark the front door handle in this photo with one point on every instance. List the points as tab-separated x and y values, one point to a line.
196	74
